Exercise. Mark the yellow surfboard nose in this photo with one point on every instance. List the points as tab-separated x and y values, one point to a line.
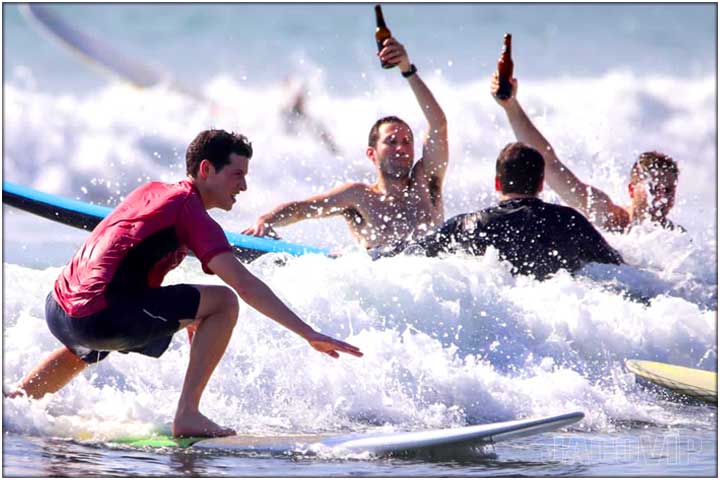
700	384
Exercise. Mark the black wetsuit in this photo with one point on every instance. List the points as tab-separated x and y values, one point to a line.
537	238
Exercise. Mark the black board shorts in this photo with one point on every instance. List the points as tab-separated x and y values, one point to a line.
142	323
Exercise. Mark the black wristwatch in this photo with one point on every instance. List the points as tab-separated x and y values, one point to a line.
411	72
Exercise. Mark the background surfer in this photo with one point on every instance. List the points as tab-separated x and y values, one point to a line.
109	297
652	185
295	114
406	199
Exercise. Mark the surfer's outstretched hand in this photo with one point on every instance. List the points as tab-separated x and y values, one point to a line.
323	343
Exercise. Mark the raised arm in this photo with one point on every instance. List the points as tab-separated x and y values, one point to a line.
333	202
255	293
593	202
434	161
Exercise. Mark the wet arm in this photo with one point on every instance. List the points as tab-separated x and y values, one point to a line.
326	204
435	146
255	293
258	295
593	202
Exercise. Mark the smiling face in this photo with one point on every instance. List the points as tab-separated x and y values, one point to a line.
655	195
220	188
652	187
393	153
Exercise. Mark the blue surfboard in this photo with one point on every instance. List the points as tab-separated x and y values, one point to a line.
86	216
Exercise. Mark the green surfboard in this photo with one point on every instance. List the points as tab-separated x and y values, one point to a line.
159	441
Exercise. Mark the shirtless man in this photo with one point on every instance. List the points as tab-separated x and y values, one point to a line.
109	297
406	199
652	185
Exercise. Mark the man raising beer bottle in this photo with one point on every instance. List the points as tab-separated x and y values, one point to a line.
652	185
406	199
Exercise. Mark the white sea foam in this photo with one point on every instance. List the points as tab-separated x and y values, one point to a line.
101	145
447	341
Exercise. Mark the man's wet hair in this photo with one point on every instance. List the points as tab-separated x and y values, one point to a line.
520	168
215	146
650	164
374	135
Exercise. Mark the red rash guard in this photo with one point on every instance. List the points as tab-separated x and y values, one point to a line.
136	245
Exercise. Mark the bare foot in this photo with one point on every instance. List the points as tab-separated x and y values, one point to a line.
198	425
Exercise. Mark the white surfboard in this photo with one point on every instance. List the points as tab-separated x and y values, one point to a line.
393	443
99	53
90	48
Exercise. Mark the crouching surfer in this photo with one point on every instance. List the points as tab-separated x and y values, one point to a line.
109	297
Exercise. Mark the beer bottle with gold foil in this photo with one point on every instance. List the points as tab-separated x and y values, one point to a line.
382	33
505	70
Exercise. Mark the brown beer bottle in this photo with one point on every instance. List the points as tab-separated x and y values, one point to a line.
505	70
382	33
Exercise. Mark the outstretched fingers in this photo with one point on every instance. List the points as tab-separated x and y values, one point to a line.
255	230
347	348
332	346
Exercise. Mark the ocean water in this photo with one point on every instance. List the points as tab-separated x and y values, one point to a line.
447	342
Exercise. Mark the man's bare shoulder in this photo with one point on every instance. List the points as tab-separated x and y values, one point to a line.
352	188
357	186
346	194
618	218
610	216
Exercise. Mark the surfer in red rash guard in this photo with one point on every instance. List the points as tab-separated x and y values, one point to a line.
110	298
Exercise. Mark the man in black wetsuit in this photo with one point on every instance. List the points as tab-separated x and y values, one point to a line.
537	238
652	186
